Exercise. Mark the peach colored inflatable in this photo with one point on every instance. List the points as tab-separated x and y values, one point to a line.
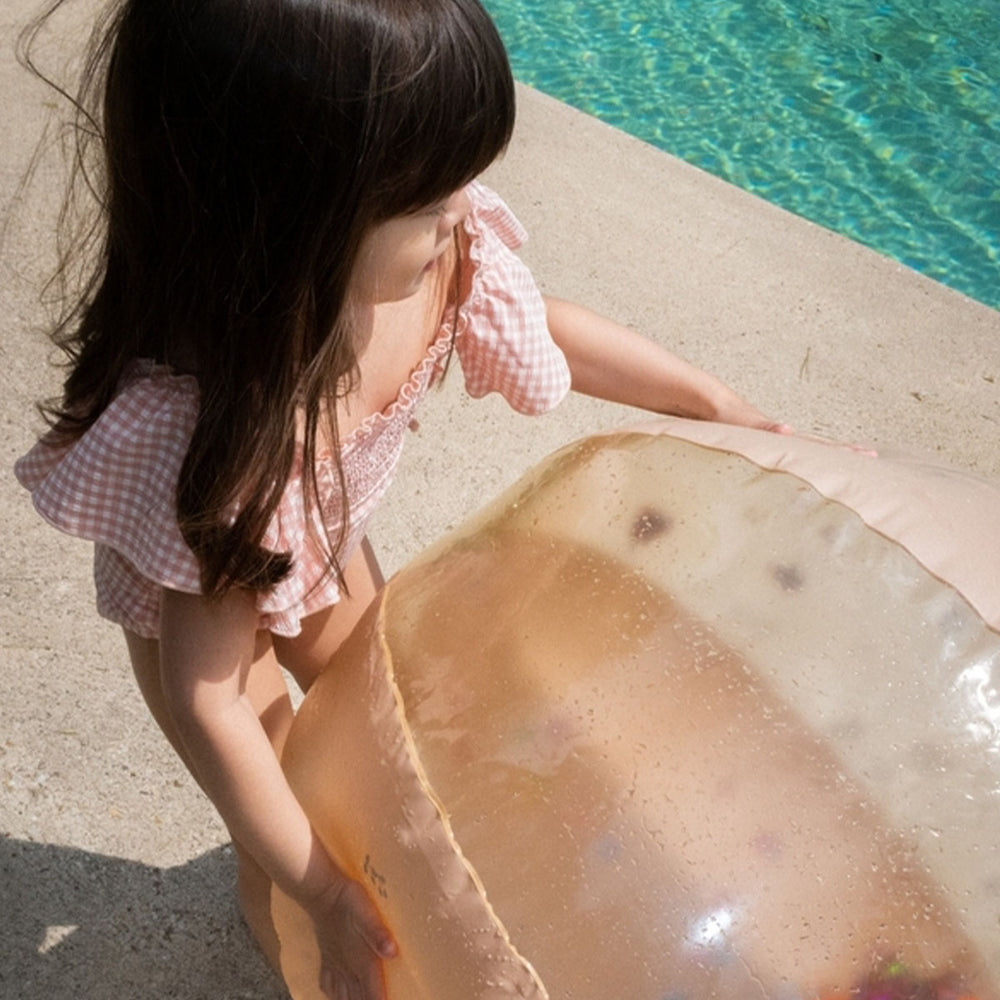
691	712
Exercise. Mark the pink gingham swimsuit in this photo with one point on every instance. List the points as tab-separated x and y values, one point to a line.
116	485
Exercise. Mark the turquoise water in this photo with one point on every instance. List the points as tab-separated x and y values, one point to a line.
878	120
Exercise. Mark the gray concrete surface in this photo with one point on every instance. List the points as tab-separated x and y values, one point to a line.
115	877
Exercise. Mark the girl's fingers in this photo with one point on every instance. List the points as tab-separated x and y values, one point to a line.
375	986
354	941
862	449
369	924
328	983
341	985
378	939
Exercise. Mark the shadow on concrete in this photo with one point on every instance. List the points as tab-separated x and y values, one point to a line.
83	925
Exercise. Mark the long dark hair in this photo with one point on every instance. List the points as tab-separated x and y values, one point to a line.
247	146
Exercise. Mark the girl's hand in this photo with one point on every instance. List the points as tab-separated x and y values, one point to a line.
741	412
735	410
353	941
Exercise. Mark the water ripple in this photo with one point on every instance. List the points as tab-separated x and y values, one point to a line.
878	120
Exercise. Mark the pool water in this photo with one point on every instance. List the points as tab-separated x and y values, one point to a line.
880	120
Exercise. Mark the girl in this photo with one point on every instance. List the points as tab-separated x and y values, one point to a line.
292	244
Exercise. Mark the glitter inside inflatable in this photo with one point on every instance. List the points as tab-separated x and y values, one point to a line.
691	712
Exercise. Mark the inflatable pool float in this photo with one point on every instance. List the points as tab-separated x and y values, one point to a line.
689	712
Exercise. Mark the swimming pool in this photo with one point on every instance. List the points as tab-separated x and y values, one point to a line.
880	120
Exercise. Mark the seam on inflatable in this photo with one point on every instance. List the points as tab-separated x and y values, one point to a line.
439	808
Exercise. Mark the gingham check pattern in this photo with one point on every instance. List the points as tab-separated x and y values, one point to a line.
116	485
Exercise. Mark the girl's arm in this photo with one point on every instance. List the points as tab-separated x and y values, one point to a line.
612	362
206	650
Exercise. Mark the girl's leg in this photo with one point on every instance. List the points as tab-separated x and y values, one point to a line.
307	654
304	656
268	693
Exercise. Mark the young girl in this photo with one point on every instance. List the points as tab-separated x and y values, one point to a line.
293	244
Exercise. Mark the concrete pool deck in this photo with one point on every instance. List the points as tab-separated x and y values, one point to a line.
114	875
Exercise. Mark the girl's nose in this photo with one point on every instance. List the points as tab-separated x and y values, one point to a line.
456	209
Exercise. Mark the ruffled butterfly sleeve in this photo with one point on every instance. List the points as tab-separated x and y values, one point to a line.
503	340
116	486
